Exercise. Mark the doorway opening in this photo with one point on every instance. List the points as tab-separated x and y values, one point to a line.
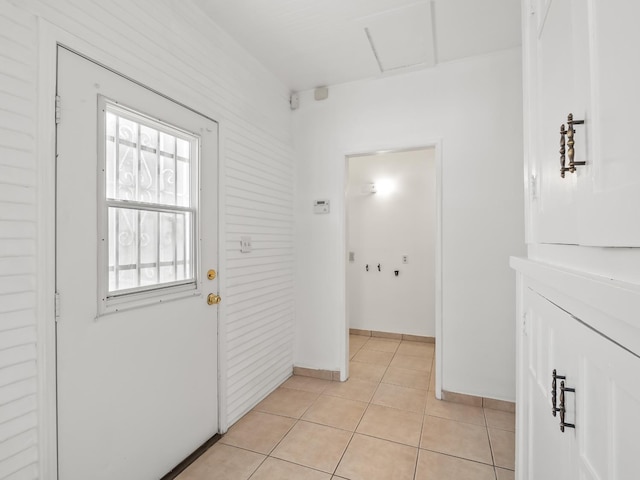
393	251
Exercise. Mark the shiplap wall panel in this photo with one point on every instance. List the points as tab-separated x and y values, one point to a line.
18	372
246	166
13	355
17	444
221	77
27	473
185	56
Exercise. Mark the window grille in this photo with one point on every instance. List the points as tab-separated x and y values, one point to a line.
150	203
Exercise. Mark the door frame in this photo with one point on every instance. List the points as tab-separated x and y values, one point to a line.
50	38
436	145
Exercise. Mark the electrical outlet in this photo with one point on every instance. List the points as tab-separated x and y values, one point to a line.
405	258
245	244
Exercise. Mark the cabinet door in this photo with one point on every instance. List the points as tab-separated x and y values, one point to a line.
607	407
609	185
554	88
548	452
578	60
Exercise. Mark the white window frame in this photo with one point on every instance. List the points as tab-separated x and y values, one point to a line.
149	294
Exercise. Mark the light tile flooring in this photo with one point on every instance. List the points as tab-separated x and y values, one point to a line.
383	423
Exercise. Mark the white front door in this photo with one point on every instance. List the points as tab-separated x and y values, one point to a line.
136	234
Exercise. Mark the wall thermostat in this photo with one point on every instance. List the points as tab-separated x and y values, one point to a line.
321	206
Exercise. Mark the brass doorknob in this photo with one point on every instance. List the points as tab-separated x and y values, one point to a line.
213	299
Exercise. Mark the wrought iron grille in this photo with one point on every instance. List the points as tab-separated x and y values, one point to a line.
150	201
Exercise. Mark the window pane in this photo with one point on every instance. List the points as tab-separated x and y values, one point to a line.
182	169
147	164
113	285
167	247
127	157
110	152
148	171
125	248
148	248
152	163
167	179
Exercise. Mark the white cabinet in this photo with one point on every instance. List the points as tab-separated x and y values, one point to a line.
607	408
548	451
538	434
558	331
579	58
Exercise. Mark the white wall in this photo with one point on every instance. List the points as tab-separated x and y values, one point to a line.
474	106
399	219
173	48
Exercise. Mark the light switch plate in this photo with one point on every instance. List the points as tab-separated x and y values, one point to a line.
245	244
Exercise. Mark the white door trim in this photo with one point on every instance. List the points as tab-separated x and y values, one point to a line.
436	144
49	38
46	241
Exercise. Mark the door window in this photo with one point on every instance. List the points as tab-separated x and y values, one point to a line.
148	206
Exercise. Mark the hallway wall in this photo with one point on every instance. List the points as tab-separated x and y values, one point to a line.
399	219
173	48
474	106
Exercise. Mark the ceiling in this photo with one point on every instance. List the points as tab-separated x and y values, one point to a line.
309	43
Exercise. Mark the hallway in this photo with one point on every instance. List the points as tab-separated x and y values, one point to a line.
383	423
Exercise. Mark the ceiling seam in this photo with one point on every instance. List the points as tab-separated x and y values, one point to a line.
434	33
373	48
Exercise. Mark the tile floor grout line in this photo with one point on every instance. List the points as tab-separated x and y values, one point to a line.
365	411
317	389
300	420
280	441
246	450
456	456
258	468
269	455
297	420
363	414
415	468
370	401
333	426
501	429
353	434
457	421
493	459
424	418
384	373
243	448
299	465
386	440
